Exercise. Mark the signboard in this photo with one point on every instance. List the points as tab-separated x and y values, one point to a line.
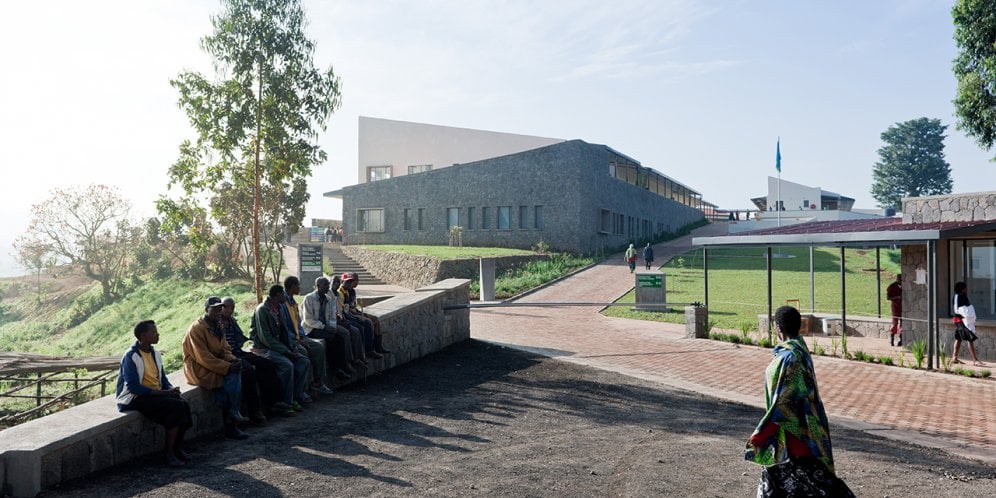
310	257
649	280
316	234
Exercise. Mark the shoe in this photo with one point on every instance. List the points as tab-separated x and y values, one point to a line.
174	462
348	369
379	345
257	418
892	340
297	407
342	375
380	350
360	364
375	355
238	418
900	341
325	390
305	399
182	455
233	432
284	409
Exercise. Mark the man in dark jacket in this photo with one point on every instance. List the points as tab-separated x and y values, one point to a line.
268	333
260	384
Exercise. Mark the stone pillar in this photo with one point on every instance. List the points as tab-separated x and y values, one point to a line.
696	318
487	279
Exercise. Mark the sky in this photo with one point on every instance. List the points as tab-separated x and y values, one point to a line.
698	90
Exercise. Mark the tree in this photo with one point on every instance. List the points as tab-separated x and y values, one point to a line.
256	124
35	255
975	69
911	163
87	227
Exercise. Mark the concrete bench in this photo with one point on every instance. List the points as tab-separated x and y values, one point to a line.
94	436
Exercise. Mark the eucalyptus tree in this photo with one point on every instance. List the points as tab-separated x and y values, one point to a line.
257	122
911	163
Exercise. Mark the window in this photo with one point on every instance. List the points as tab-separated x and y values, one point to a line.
408	219
371	220
538	217
452	217
470	218
504	217
421	219
419	168
523	217
485	218
375	173
974	262
606	221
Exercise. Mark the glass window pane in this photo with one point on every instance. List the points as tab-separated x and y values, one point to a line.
452	217
982	260
538	217
504	217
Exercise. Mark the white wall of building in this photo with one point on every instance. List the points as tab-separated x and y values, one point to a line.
794	196
400	144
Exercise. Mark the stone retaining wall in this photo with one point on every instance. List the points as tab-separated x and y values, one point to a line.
975	206
412	271
94	436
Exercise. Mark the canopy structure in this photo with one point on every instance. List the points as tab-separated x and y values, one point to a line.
867	233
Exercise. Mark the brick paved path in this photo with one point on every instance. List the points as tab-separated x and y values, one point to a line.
955	413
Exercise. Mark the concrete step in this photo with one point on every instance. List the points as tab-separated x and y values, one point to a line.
342	263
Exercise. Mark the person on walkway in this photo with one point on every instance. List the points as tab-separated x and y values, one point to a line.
317	351
630	258
268	332
792	440
894	293
143	387
208	362
964	320
260	385
648	255
328	234
352	309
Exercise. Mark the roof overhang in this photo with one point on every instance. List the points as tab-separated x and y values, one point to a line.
882	232
335	194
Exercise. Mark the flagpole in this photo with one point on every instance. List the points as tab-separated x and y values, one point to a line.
778	164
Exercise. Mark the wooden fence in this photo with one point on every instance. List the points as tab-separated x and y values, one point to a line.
25	373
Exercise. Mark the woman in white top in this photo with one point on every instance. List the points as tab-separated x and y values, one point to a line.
964	323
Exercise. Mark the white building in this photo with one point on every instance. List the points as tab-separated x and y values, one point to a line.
388	148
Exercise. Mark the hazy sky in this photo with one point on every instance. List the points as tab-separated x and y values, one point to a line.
698	90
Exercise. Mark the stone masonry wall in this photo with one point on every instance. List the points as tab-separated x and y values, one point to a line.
413	272
975	206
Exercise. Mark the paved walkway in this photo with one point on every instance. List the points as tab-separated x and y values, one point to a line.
933	409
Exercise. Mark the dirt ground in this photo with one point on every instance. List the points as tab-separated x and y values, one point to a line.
479	419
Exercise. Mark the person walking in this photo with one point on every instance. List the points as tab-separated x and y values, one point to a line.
648	255
630	258
964	320
792	440
894	293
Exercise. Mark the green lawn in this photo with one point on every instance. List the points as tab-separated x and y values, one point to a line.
738	283
447	252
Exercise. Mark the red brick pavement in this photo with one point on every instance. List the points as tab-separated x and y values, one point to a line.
934	409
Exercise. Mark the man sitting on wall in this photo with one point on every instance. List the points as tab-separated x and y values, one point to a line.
208	362
317	352
260	385
319	322
360	330
348	292
268	332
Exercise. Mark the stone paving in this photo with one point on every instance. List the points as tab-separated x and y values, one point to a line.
954	413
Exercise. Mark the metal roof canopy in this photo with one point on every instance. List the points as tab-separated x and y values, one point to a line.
875	232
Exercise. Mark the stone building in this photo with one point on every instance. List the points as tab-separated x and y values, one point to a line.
572	195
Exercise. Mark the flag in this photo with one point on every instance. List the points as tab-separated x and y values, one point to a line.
778	155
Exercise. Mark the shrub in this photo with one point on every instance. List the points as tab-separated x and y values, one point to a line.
919	350
984	374
85	306
885	360
764	342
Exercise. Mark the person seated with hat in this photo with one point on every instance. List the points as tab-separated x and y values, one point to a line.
353	310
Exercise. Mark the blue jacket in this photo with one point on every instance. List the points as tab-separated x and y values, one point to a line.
130	376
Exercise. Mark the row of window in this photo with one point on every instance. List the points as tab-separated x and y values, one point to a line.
655	182
375	173
470	218
621	224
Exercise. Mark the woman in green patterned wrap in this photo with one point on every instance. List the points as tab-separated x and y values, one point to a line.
792	440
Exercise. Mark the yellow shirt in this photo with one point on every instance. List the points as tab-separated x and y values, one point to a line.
295	321
150	378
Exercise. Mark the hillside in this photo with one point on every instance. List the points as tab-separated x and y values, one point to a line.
68	321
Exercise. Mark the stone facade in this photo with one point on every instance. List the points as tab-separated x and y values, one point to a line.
413	271
975	206
94	436
565	186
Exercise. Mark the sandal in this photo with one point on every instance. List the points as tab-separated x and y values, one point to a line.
956	361
979	364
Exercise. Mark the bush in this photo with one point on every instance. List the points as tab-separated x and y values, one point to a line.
885	360
85	306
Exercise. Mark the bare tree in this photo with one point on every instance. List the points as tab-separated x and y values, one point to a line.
87	227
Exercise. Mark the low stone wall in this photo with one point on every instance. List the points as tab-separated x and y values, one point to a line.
860	326
975	206
94	436
413	272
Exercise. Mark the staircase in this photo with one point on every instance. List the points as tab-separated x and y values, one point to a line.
341	264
